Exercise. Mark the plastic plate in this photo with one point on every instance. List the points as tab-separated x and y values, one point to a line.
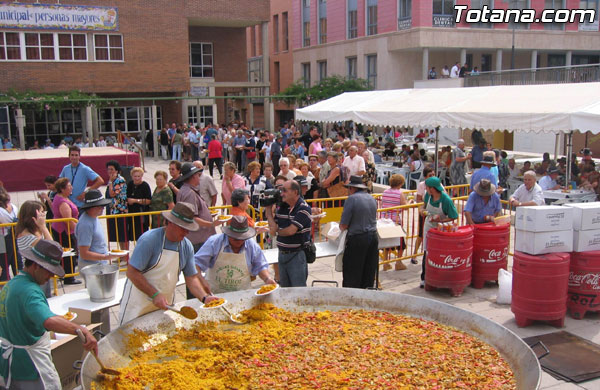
268	292
72	318
214	307
118	252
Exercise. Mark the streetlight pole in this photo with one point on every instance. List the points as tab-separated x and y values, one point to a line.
511	5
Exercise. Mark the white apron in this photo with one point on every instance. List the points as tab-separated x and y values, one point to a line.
40	356
230	272
431	211
163	276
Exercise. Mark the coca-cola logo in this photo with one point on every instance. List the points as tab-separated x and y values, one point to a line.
589	281
450	262
494	256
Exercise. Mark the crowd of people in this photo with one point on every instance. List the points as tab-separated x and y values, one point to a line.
279	172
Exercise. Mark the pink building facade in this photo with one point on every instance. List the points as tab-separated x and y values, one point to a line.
395	42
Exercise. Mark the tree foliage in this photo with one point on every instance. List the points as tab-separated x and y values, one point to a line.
30	100
329	87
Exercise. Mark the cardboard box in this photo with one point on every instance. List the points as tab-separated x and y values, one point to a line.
537	243
544	218
586	216
586	240
390	235
64	353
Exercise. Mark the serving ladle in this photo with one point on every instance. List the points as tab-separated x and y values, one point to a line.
103	368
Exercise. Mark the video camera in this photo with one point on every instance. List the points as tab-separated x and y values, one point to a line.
269	197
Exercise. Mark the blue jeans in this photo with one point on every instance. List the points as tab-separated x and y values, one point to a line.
177	152
293	270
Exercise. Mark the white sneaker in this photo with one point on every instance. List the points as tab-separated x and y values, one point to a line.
422	284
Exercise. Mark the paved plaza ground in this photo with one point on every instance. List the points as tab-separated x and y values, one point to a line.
481	301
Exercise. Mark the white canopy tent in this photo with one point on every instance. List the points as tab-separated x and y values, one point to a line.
549	108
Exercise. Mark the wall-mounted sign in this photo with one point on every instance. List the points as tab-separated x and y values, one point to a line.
199	91
58	17
404	24
443	21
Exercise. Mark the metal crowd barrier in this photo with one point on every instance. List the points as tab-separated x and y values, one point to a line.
408	217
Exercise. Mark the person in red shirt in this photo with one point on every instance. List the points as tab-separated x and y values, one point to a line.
215	150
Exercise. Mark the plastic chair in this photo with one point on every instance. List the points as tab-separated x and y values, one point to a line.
415	177
442	175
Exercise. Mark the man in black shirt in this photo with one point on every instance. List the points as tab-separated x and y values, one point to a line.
291	224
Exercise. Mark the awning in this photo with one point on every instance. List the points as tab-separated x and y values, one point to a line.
538	108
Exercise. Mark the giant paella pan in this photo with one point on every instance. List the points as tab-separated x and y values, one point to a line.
116	348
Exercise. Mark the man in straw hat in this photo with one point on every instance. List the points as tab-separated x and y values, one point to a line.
483	204
231	258
25	319
154	266
488	161
361	255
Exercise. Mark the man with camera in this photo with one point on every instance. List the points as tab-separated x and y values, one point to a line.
291	223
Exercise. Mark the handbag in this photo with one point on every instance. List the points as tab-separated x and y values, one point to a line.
310	251
337	190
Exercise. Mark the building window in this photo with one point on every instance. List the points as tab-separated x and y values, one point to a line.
275	33
486	62
555	5
10	46
556	60
306	74
201	59
284	31
108	47
205	117
404	14
372	70
126	118
323	30
443	13
518	4
306	23
322	21
72	47
352	19
277	76
322	70
351	68
371	17
592	5
45	124
443	7
148	117
33	46
478	4
306	34
39	46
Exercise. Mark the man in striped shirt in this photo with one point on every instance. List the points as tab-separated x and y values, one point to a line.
292	225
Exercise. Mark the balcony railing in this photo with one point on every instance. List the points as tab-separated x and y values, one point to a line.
553	75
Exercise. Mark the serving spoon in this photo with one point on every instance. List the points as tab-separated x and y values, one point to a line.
103	368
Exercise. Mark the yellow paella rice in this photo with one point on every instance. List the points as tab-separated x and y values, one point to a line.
266	288
215	303
347	349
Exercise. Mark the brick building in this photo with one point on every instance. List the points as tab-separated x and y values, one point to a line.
136	49
280	60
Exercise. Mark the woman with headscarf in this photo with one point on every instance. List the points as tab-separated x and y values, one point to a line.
437	208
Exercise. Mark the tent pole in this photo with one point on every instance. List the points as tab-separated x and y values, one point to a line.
569	160
556	146
437	139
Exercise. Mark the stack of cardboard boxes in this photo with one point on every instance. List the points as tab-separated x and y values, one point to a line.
586	226
544	229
